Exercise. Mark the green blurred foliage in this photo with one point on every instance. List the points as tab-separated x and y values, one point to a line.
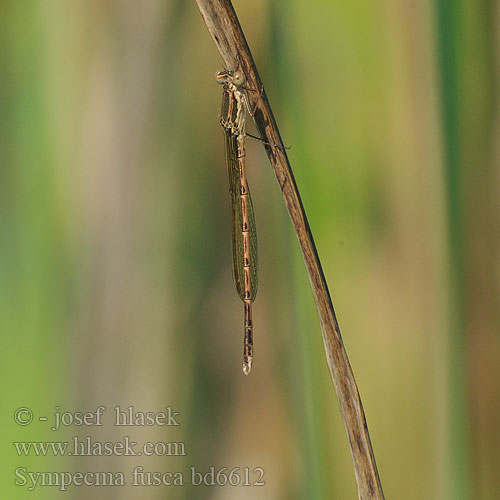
115	248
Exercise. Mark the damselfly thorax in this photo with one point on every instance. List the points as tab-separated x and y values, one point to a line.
244	235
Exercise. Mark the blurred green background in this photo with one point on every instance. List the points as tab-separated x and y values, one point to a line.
115	255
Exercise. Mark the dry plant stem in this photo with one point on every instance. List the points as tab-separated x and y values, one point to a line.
225	29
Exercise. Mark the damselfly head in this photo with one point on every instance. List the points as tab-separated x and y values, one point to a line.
237	77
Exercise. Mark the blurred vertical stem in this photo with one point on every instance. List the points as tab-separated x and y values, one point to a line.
308	409
33	289
449	36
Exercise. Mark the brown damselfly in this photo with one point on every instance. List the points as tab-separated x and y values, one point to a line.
243	234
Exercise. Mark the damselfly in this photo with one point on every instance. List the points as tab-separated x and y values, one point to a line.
244	235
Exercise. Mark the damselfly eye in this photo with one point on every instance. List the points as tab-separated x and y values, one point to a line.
238	78
221	77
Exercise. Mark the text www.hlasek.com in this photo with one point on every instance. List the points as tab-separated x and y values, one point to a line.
86	447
